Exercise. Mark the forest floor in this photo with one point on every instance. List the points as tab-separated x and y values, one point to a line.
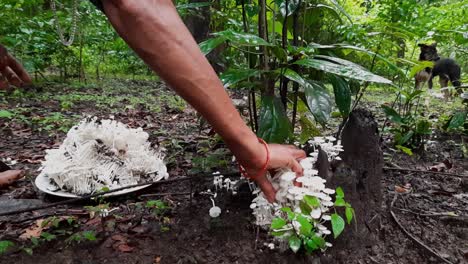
431	207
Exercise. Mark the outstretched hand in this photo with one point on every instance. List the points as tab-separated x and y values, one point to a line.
281	156
11	71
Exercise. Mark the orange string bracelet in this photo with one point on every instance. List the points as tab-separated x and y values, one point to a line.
264	167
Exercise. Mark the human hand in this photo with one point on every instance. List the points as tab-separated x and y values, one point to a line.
281	156
11	71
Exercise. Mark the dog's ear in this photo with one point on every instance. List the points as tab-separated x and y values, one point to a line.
434	44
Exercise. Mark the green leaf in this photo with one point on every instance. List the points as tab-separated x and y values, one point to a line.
311	246
274	124
6	114
278	223
340	202
312	201
234	76
305	208
419	67
28	251
353	72
294	243
342	94
349	212
339	192
308	129
286	209
241	38
319	241
342	10
292	6
392	114
306	226
210	44
457	120
405	150
280	53
48	236
293	76
338	224
89	235
278	234
5	245
319	102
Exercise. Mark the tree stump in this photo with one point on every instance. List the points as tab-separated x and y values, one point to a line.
359	174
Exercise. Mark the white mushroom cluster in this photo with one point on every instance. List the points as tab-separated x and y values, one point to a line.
289	195
102	153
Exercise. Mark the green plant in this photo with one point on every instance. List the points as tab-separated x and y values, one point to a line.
5	245
157	207
88	235
303	229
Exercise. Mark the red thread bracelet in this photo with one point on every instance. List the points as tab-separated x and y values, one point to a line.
243	172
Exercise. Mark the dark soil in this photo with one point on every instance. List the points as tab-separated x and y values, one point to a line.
433	208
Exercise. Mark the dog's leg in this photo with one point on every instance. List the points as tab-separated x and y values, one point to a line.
443	81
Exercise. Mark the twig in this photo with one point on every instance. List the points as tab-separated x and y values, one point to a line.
86	197
432	251
164	194
450	214
428	171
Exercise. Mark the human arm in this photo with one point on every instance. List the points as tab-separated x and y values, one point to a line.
11	71
154	30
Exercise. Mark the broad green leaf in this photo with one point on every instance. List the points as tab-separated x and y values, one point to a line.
293	76
349	212
319	241
355	72
286	209
308	129
406	138
312	201
423	127
342	10
240	38
210	44
342	94
294	243
278	223
340	202
6	114
311	246
457	120
330	8
234	76
419	67
338	224
278	234
339	192
306	226
405	150
279	30
292	6
319	102
392	114
305	208
275	126
5	245
280	53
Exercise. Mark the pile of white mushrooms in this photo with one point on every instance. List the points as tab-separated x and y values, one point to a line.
102	153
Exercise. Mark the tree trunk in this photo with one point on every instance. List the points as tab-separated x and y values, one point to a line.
359	174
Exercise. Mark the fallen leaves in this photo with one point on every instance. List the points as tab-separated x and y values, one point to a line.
121	244
403	189
34	230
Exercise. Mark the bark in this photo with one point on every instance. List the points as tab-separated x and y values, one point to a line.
359	174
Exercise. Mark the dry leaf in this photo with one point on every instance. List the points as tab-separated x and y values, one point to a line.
34	230
125	248
405	189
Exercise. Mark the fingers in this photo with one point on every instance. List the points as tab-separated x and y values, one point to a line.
19	70
298	154
296	167
11	76
267	188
